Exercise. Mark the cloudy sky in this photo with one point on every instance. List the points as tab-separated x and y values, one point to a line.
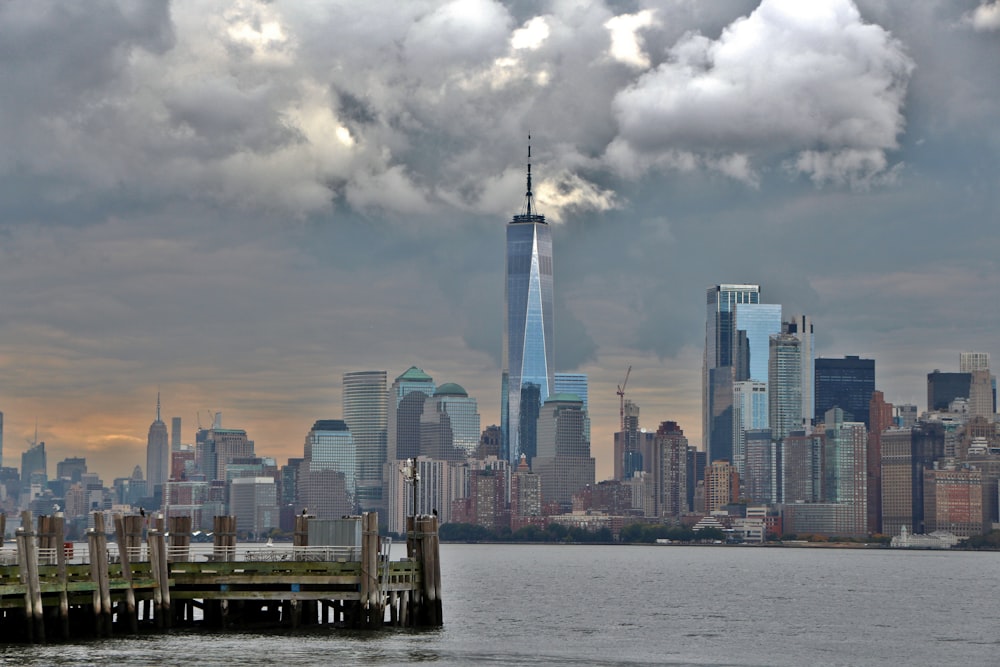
237	202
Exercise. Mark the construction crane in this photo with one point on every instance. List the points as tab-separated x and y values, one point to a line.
621	399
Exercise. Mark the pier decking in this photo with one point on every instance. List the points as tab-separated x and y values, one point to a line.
49	591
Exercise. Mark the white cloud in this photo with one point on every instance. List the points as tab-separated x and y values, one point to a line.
985	17
790	78
626	43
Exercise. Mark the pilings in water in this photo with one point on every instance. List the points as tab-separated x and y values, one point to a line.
48	593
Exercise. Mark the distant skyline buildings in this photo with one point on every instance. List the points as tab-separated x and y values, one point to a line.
528	336
718	371
845	383
365	411
157	451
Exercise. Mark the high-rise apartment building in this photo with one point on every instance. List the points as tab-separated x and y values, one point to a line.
718	370
785	385
845	475
953	501
669	477
365	410
896	480
761	478
628	455
157	451
528	337
722	485
881	418
802	466
847	384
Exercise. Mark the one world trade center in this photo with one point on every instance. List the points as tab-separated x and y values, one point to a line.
527	329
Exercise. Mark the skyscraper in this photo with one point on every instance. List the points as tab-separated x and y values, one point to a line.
175	434
564	462
528	309
669	467
801	327
784	387
406	405
750	412
157	451
718	370
847	384
760	321
328	476
449	424
365	410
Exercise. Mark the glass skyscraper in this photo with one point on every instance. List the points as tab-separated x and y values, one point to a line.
759	321
527	332
847	384
718	373
365	405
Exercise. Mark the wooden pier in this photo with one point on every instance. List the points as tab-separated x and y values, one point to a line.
152	579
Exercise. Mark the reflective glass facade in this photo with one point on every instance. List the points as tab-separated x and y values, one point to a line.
750	412
759	321
528	332
330	446
718	367
785	385
365	404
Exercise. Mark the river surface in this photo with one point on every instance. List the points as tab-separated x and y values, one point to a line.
638	605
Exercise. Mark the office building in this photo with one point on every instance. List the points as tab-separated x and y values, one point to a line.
981	401
628	455
718	370
973	361
847	384
953	501
406	406
944	388
801	327
575	383
760	321
750	411
563	463
329	454
528	336
722	485
175	434
897	477
365	410
449	424
157	451
254	503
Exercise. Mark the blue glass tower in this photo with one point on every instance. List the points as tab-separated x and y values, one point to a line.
527	330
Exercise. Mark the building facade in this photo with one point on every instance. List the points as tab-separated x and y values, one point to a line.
365	410
528	337
157	451
847	384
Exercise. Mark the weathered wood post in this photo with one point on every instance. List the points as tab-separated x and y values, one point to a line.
125	554
27	558
179	528
59	529
154	541
435	564
372	606
225	538
99	574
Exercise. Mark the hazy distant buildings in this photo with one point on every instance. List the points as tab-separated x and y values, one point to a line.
669	471
175	434
327	475
718	372
953	501
785	385
406	406
528	336
880	418
449	424
943	388
750	411
365	410
563	463
847	384
157	451
627	451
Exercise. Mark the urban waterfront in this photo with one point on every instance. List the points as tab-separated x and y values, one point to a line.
638	605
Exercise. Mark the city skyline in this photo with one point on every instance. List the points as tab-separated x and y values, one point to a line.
239	203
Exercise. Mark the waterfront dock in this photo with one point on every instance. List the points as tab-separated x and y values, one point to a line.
152	578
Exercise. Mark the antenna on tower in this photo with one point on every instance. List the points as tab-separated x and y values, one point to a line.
157	406
528	193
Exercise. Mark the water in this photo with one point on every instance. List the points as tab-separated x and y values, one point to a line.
639	605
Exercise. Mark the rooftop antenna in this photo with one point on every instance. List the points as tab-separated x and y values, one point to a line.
157	406
528	214
528	193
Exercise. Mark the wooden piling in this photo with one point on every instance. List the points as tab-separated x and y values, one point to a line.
59	528
131	618
225	538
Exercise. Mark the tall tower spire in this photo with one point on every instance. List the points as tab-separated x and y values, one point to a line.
158	406
529	213
528	193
